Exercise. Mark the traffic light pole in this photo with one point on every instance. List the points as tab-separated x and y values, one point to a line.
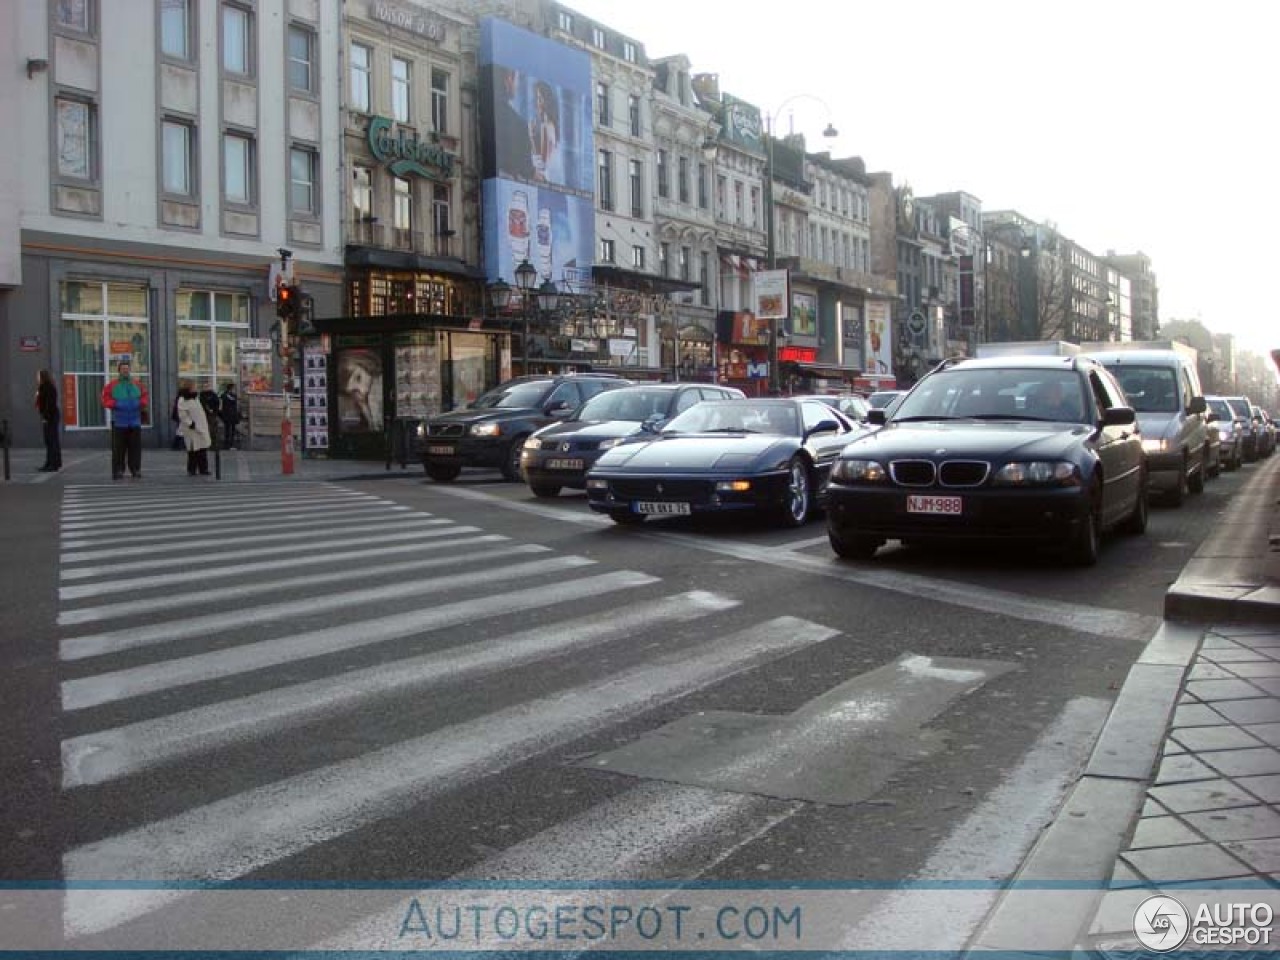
288	300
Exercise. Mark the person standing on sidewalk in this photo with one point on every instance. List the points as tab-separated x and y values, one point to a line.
229	410
50	421
126	398
193	424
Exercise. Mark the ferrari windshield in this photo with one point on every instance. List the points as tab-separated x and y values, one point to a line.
737	416
997	394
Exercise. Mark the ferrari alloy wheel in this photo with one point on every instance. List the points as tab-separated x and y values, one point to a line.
799	494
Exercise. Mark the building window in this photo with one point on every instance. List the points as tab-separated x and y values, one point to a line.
755	207
664	259
664	175
238	167
73	15
605	189
565	20
362	195
361	64
175	142
598	38
705	267
722	188
302	44
684	263
401	79
441	214
739	207
175	29
629	52
603	117
637	188
403	206
682	178
439	100
702	185
237	40
209	324
102	324
606	250
302	180
637	257
633	112
77	135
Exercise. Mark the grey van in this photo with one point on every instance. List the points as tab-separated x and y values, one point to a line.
1163	388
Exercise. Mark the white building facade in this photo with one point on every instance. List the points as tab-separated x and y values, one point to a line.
168	150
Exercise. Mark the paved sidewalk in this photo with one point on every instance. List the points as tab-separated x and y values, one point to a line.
169	467
1183	787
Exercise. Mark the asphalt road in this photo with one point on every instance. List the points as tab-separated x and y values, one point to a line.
395	680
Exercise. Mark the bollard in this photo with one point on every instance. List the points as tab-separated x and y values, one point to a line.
217	460
4	440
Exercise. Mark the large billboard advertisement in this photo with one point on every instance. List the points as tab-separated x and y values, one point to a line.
554	231
537	152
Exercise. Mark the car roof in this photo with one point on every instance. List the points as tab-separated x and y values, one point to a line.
1017	362
1138	358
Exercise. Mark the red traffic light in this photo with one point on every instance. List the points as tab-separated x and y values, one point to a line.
287	300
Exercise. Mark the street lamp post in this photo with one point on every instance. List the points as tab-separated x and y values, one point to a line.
526	276
770	229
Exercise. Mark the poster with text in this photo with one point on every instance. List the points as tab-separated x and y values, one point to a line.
879	352
771	294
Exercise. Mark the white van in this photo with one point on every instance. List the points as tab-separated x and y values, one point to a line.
1163	388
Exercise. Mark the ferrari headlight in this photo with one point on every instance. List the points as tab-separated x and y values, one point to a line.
1155	444
1038	473
610	443
733	486
486	430
858	471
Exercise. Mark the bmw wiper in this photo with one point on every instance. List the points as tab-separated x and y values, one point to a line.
918	419
1001	416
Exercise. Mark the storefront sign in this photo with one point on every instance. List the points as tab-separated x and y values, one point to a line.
408	154
254	344
758	371
798	354
29	344
70	400
621	348
771	294
414	21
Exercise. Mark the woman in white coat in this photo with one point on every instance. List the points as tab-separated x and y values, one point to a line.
193	427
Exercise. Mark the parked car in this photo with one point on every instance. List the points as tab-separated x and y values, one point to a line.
1025	449
851	405
882	398
1265	429
491	431
1230	432
720	456
1163	388
560	455
1243	410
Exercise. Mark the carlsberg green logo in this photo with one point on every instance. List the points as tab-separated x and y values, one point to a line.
408	154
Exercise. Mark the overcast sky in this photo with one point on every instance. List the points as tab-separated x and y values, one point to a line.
1132	124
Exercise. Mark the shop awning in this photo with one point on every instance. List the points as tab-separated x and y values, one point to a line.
826	371
362	256
638	280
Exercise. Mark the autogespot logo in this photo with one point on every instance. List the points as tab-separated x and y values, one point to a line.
1161	923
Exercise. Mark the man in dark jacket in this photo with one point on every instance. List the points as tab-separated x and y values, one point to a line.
212	406
47	406
230	413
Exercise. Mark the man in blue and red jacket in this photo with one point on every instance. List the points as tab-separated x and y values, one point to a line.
126	398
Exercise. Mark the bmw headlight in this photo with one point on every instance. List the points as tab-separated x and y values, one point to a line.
486	430
1038	473
858	471
610	443
533	443
1155	444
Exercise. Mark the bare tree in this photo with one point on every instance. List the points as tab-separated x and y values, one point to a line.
1050	300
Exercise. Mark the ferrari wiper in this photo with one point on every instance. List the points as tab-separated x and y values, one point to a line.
730	430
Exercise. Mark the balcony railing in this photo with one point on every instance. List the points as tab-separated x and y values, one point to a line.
370	233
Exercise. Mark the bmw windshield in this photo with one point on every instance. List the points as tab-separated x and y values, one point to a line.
996	394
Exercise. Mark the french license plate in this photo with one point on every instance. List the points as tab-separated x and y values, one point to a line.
564	464
946	506
440	451
651	509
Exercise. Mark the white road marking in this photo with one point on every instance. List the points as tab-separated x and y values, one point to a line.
232	837
233	556
249	657
200	574
241	591
118	509
129	638
369	526
110	754
534	509
149	519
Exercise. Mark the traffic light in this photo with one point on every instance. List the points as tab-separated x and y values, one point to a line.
288	301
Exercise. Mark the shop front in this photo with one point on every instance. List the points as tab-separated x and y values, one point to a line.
743	351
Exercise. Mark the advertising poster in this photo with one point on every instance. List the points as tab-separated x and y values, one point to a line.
359	386
418	393
771	294
315	397
879	352
553	231
804	314
537	153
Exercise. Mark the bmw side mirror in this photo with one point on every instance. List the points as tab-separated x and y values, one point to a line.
876	416
1197	405
1119	417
